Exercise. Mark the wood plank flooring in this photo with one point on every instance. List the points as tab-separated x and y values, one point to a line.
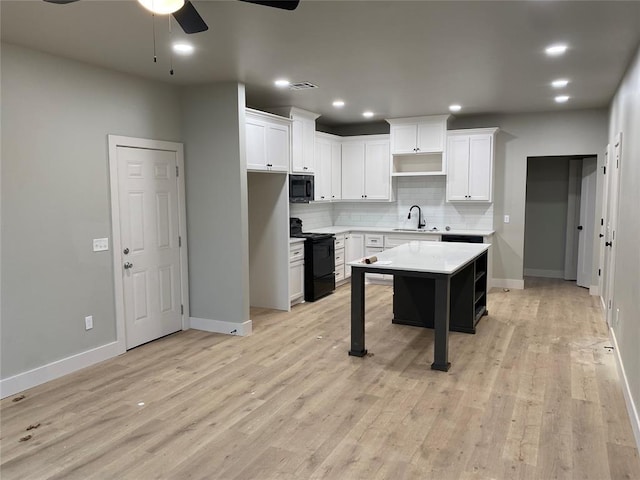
533	395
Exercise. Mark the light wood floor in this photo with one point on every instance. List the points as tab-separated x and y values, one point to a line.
534	394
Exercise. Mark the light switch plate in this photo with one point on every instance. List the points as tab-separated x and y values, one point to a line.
506	219
88	322
100	244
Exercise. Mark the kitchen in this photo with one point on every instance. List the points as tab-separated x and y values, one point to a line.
82	103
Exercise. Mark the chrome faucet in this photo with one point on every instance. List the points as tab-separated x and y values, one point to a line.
421	222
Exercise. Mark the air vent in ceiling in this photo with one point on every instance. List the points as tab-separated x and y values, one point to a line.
302	86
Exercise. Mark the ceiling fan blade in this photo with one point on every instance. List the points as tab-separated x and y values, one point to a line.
189	19
60	2
283	4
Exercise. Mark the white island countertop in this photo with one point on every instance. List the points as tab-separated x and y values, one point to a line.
428	257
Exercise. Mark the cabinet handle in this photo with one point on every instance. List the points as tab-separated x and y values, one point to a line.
322	196
269	165
305	168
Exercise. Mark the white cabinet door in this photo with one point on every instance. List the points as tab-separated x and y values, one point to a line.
277	147
457	168
303	133
256	141
431	137
403	138
323	170
480	168
296	281
353	250
353	154
377	182
336	171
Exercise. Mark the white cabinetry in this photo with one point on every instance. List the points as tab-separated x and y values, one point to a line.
365	168
339	258
267	141
470	156
353	250
328	165
296	272
418	145
303	134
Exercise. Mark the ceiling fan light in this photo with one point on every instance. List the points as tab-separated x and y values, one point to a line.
162	7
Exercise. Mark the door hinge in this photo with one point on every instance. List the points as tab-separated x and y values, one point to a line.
599	272
179	241
177	171
605	170
602	222
181	309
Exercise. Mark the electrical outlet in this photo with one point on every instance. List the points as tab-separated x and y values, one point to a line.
88	322
100	244
506	219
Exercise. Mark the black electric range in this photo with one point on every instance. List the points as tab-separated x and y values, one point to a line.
319	261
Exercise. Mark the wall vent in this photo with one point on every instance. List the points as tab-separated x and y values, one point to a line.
302	86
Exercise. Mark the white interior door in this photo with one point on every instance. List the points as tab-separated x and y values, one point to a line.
587	222
149	240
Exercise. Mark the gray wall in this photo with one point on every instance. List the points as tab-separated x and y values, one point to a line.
625	118
56	115
216	188
521	136
546	214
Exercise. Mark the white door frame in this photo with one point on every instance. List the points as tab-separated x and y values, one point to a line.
604	218
116	141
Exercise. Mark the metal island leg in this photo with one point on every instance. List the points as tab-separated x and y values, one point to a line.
441	323
357	313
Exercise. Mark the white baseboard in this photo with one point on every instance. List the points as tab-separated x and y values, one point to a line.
537	272
626	390
218	326
32	378
507	283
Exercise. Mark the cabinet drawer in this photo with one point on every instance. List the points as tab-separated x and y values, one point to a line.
374	240
339	273
339	256
339	242
296	252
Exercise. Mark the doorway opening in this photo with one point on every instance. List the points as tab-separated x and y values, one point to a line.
560	218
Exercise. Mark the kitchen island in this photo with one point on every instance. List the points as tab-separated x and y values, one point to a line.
429	276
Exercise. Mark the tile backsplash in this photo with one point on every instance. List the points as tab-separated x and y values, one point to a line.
427	192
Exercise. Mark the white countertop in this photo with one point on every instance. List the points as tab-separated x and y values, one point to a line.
338	229
431	257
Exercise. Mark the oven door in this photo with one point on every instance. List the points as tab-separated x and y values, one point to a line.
324	260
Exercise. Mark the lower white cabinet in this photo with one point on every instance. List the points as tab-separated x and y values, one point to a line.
353	250
296	273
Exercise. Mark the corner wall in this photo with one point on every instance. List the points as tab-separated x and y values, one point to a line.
625	118
56	115
581	132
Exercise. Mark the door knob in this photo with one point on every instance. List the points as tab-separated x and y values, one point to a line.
125	251
579	227
608	244
601	235
128	265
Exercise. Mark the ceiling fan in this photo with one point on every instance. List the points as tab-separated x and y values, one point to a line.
188	17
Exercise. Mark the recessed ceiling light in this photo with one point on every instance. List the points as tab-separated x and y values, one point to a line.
556	49
560	83
281	83
338	103
561	98
162	7
455	108
183	48
367	114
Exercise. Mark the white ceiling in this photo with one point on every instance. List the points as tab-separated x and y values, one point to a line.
396	58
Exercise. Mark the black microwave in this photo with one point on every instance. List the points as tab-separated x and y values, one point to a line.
300	188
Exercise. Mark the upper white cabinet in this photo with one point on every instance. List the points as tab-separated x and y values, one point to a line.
365	168
328	165
470	155
303	133
267	141
418	145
